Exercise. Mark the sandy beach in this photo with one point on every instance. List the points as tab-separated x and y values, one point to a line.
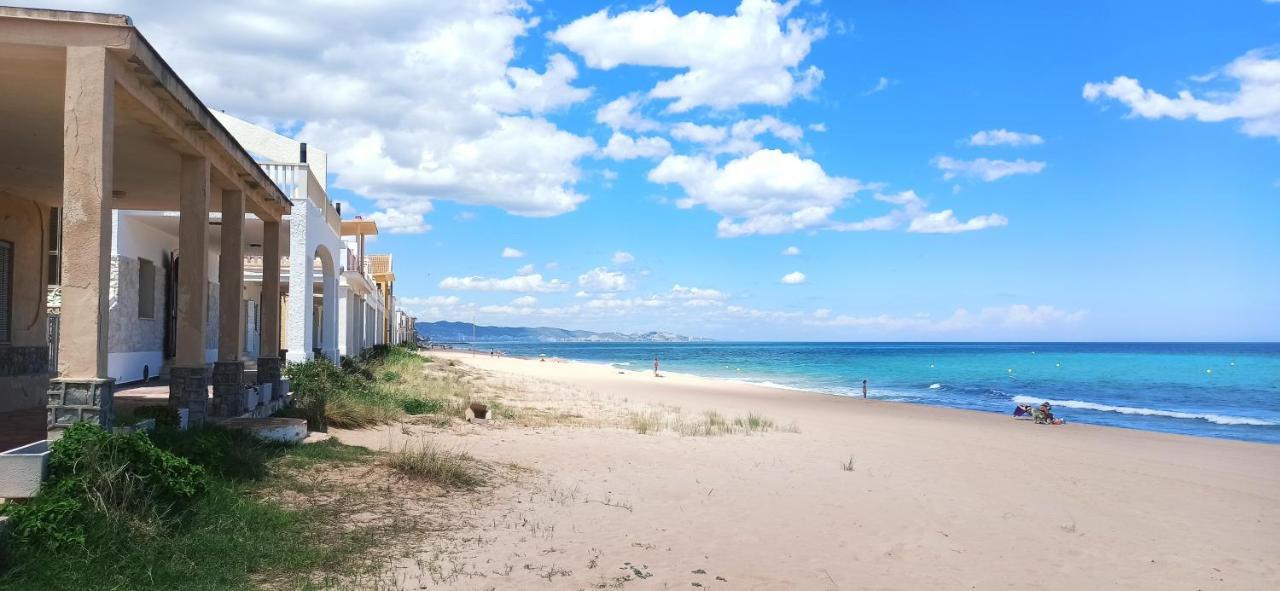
845	494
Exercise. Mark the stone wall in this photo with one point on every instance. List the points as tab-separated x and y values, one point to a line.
211	320
128	332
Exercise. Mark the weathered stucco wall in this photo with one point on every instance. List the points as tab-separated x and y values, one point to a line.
24	360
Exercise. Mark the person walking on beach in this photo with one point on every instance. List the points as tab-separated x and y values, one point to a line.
655	367
864	388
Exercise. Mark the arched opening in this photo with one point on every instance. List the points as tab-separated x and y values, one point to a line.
324	317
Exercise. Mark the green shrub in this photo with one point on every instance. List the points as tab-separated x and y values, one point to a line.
165	416
312	383
124	478
97	461
230	453
355	366
418	406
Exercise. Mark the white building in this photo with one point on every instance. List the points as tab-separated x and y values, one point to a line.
331	304
359	301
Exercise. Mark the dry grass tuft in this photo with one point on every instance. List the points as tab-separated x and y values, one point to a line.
708	424
424	459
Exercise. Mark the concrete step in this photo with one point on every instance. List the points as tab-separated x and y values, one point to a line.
281	429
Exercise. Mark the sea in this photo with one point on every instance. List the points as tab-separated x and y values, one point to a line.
1225	390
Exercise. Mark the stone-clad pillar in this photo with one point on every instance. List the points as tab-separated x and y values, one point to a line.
188	379
229	398
84	390
269	337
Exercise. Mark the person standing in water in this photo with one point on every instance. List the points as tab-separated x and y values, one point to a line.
864	388
655	367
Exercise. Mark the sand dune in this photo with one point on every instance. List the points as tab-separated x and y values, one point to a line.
935	498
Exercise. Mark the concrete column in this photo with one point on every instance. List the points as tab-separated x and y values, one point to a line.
330	317
228	373
84	390
345	322
302	257
188	382
269	339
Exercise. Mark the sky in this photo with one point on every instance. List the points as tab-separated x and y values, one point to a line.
799	170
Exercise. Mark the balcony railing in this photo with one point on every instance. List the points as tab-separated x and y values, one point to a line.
297	180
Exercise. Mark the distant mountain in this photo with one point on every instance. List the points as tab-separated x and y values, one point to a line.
462	332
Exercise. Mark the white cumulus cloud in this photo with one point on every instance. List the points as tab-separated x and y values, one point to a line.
1004	137
1254	102
985	169
444	115
602	279
945	222
752	56
912	210
622	257
791	251
793	278
624	147
739	138
520	283
698	134
768	192
620	113
511	253
403	220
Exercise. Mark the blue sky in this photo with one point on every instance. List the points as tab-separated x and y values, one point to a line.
1099	204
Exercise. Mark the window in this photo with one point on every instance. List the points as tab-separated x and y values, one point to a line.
6	289
55	246
146	289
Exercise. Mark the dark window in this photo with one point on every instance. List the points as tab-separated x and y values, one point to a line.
6	290
55	246
146	289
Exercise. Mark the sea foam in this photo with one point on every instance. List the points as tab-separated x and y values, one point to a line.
1129	410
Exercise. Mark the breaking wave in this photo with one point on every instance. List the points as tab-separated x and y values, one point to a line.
1129	410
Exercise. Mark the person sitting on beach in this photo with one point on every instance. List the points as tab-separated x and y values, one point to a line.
1044	415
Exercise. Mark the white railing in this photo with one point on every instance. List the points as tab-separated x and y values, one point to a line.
294	179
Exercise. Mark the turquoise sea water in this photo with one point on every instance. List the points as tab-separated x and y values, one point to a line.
1229	390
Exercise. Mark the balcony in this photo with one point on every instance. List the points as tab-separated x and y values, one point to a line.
297	181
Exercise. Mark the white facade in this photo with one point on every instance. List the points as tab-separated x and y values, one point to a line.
334	307
136	338
359	302
314	235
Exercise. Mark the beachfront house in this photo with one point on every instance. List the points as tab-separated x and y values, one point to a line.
148	239
94	123
384	278
359	301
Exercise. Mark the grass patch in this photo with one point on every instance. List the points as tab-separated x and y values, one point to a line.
378	387
186	510
707	424
426	460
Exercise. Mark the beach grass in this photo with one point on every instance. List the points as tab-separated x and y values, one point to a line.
380	386
229	533
707	424
426	460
